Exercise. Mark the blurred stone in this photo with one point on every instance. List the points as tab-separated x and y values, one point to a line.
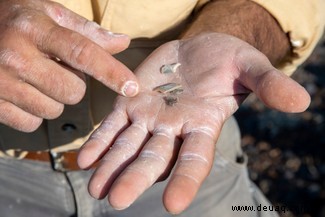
272	173
248	140
314	189
263	146
265	186
274	153
289	175
293	164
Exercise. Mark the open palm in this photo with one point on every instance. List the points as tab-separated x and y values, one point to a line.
154	133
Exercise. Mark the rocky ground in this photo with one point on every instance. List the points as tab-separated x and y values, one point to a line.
287	151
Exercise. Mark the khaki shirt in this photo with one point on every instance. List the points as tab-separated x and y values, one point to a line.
301	19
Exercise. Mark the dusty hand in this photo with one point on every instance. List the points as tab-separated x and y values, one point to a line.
144	138
34	84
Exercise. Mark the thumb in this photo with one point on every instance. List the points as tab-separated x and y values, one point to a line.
111	42
275	89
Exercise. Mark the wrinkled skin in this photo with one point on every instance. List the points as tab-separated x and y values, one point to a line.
34	84
143	139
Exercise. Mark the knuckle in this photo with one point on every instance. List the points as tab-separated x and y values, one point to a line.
140	126
125	145
81	53
194	157
55	10
187	176
14	60
23	20
163	130
47	37
203	130
147	154
20	18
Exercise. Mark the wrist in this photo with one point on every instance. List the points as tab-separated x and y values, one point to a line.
246	20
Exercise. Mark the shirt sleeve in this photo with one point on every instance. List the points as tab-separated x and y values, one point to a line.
303	21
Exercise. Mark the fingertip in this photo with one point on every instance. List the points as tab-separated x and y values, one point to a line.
78	92
18	119
175	199
130	88
86	156
175	204
96	187
119	198
82	163
55	111
116	42
307	100
29	126
32	126
280	92
299	101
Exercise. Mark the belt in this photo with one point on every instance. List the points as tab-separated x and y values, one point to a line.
62	161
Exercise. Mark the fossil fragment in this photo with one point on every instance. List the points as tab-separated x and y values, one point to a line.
170	100
177	91
172	88
169	68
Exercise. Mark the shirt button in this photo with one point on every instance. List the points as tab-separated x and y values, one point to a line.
68	127
297	43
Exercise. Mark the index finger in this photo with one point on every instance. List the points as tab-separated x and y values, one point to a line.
84	55
111	42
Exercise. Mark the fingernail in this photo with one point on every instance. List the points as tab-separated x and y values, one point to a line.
119	35
130	88
113	34
121	207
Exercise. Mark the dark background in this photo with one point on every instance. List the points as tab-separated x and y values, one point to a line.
287	151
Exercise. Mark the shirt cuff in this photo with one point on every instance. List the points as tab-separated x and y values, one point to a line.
303	21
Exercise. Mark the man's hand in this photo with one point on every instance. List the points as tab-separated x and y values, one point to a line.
45	49
144	138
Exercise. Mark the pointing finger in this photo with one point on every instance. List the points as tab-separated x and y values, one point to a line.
111	42
82	54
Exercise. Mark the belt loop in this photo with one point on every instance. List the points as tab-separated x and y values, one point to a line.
57	161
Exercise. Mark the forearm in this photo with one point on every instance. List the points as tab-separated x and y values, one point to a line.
245	20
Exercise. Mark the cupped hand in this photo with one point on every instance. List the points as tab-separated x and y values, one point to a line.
45	51
155	135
